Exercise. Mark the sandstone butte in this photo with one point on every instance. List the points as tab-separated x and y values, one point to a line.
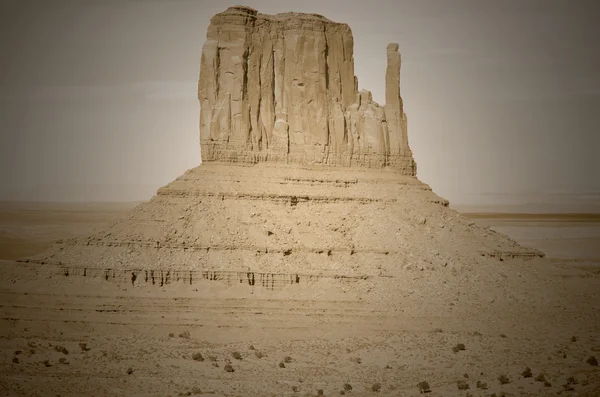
304	233
302	176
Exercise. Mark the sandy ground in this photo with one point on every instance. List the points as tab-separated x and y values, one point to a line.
73	336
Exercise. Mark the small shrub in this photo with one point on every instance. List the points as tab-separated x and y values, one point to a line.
258	354
281	365
571	380
129	371
462	385
15	360
503	379
84	347
17	352
63	361
342	393
228	368
376	387
196	390
527	373
574	339
477	333
197	356
438	330
356	360
47	363
251	347
592	361
540	378
320	392
171	335
458	348
547	384
482	385
236	355
424	387
568	387
466	376
216	365
185	335
502	335
347	386
61	349
295	389
212	358
287	359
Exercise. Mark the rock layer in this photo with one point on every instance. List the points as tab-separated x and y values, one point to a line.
282	88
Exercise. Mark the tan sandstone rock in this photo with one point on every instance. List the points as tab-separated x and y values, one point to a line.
282	88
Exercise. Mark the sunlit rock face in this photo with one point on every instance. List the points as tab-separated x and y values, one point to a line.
282	88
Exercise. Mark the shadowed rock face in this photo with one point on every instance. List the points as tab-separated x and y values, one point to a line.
282	88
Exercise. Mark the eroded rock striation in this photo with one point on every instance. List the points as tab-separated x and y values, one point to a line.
282	88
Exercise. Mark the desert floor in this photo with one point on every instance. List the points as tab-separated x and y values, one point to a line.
71	336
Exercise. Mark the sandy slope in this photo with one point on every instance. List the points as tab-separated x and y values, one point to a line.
377	296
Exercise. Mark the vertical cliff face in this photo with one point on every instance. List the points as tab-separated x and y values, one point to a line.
282	88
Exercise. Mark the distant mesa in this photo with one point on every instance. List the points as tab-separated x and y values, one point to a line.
282	88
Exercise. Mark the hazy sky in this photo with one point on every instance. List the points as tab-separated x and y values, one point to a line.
98	97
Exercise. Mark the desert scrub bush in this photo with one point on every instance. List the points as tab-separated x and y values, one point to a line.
295	389
571	380
281	365
503	379
527	373
592	361
357	360
251	347
547	384
287	359
347	386
61	349
458	348
228	368
63	361
424	387
540	378
129	371
84	347
212	358
258	354
320	392
185	335
376	387
171	335
481	385
197	356
462	385
236	355
15	360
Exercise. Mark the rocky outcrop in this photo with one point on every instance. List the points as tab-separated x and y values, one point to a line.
282	88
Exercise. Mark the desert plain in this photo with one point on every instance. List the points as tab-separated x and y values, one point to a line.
74	336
